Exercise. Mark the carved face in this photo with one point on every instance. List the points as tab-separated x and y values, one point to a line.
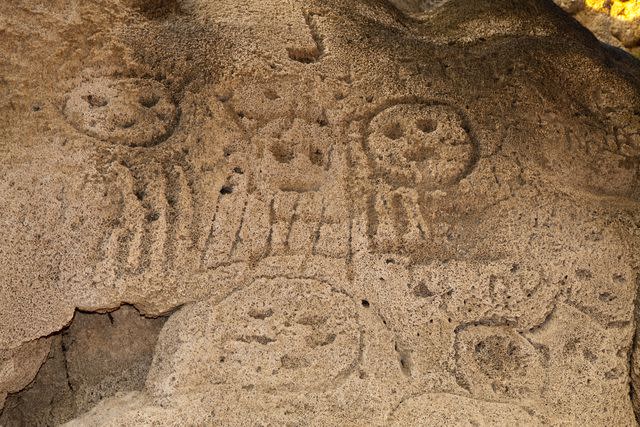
133	112
421	145
296	158
278	316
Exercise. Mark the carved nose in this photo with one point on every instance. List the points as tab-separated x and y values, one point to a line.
394	131
282	153
419	151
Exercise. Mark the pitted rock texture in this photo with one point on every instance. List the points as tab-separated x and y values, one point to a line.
357	214
137	112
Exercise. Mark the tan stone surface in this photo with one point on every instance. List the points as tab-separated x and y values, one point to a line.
363	216
18	366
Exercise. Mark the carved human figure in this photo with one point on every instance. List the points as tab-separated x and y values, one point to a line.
416	148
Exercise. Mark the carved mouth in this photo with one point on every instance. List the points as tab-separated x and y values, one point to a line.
295	178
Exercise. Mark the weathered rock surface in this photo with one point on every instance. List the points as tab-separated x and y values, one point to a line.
97	356
616	22
363	216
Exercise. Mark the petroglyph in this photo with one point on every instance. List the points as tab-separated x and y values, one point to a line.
350	213
308	55
414	149
290	335
133	112
497	363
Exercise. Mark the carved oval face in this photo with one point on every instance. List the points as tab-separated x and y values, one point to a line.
132	112
274	334
421	145
297	159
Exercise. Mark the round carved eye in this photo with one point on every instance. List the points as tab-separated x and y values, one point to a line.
132	112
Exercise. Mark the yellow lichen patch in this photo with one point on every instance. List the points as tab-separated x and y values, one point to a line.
599	5
626	10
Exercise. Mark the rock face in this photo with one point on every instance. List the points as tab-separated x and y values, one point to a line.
616	22
363	216
97	356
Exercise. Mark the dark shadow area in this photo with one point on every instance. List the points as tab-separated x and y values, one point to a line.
96	356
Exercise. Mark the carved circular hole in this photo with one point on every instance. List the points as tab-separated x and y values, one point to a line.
427	125
149	101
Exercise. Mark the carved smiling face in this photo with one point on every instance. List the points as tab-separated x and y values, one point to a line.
422	145
134	112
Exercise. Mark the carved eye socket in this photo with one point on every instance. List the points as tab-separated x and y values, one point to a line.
96	101
427	125
149	100
316	156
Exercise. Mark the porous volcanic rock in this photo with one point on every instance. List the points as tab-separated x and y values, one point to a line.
350	213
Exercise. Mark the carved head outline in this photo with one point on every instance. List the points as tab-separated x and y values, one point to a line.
425	145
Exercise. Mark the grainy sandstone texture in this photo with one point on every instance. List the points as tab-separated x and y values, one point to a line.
329	213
